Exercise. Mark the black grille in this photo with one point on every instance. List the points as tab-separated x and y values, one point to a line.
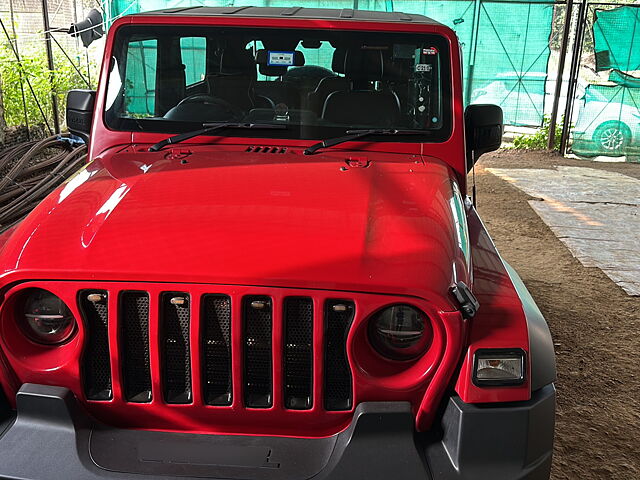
298	352
134	346
174	334
337	375
216	349
257	316
96	368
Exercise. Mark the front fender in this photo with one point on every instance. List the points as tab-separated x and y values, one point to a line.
542	355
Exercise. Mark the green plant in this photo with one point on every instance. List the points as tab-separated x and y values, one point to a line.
33	66
538	140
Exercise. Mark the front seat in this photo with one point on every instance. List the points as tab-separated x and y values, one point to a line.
362	105
329	84
235	82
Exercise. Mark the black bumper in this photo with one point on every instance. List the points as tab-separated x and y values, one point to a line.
50	438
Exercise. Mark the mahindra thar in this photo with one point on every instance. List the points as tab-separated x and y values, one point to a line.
269	268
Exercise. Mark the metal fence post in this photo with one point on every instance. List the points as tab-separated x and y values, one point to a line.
47	36
573	74
561	62
472	51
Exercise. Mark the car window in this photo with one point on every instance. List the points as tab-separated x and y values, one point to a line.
193	54
140	80
320	83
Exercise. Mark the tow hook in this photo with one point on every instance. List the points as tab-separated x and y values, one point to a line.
469	304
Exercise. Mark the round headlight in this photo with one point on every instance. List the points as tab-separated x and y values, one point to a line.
46	318
400	332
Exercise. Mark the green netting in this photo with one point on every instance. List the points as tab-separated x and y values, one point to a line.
616	35
505	44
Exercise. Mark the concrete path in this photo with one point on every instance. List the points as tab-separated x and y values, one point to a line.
595	213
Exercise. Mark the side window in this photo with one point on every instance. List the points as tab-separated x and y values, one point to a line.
193	52
140	79
321	57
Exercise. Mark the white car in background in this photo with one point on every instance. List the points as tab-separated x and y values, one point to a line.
605	128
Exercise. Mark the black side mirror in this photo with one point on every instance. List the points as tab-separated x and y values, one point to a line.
483	130
80	105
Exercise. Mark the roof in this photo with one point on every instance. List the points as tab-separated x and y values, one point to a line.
295	12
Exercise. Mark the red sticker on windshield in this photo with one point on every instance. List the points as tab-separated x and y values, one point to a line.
430	51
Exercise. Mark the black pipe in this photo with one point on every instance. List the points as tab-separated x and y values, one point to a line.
47	37
573	75
561	61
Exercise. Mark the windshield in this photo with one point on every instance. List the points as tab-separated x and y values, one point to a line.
318	83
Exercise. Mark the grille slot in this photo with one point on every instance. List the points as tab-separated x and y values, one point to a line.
298	352
134	345
337	375
174	333
216	349
96	368
257	318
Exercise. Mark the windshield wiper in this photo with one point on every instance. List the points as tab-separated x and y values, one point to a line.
212	127
355	134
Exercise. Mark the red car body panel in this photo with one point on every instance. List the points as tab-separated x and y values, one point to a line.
211	217
226	216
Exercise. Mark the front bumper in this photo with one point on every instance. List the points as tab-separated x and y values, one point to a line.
49	437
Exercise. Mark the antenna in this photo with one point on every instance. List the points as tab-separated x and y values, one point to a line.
473	175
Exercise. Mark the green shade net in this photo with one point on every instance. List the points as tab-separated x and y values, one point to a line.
505	45
616	35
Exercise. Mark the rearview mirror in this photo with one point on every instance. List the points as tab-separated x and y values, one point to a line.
80	105
483	130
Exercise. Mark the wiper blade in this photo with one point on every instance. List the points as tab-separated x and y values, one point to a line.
212	127
355	134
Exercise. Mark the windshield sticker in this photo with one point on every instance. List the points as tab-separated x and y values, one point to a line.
281	59
423	67
430	51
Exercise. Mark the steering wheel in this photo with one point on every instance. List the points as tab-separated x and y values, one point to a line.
271	103
233	111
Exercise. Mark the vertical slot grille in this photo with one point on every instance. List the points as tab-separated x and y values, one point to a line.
134	345
337	375
257	319
298	352
174	335
96	368
216	349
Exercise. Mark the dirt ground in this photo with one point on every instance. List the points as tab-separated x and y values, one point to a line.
594	323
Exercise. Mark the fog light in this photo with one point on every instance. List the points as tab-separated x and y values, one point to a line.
499	367
400	332
46	318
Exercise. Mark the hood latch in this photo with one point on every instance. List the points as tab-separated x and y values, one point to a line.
469	304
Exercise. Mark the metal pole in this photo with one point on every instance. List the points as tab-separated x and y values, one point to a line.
573	75
47	36
561	61
472	50
20	72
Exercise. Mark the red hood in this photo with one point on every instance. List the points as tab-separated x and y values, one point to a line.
227	216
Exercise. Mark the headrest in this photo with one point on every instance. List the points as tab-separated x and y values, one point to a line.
364	64
337	64
236	61
274	63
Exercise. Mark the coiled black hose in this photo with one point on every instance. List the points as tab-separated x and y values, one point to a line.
32	170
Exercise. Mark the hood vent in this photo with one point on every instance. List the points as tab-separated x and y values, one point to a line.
266	150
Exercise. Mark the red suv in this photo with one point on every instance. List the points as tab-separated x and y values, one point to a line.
269	268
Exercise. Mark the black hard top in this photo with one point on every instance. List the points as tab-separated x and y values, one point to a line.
295	12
